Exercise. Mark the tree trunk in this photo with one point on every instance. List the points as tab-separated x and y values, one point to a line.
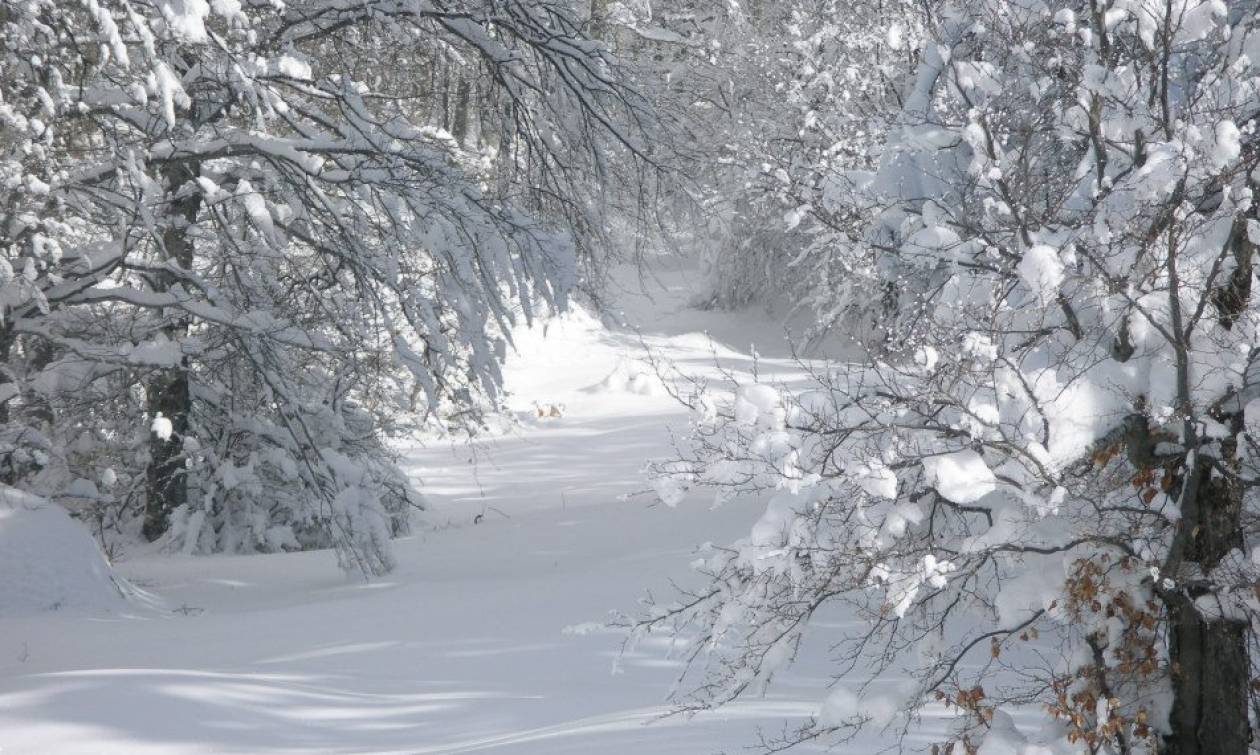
459	119
168	390
597	27
1210	669
39	411
167	487
8	468
1210	663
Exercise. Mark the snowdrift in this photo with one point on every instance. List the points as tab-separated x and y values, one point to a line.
629	377
49	562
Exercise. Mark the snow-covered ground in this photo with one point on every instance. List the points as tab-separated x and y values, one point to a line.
486	638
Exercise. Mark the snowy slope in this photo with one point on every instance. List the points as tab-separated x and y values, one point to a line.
484	640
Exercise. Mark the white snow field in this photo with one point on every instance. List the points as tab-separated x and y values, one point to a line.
486	639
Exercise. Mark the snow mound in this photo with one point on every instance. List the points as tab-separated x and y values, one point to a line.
48	562
961	477
1042	271
629	377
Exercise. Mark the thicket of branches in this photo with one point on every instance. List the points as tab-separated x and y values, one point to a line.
778	103
1038	484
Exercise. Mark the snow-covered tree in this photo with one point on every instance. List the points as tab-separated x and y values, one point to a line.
238	255
779	99
1040	485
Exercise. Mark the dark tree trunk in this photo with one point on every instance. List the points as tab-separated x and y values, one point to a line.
598	25
8	470
1210	663
459	120
167	487
168	390
39	411
1209	713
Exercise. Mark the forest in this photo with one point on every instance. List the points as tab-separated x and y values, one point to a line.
652	377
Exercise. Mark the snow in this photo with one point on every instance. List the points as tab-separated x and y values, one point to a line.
961	477
170	91
1042	271
876	479
49	562
844	706
162	427
1000	281
896	35
489	637
294	68
462	649
1228	145
256	207
629	377
187	18
758	403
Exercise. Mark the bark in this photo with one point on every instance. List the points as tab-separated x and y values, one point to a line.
1209	713
459	120
1210	663
167	487
8	472
1232	298
168	390
597	27
6	369
39	411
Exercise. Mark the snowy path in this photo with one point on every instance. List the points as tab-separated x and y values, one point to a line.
463	649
